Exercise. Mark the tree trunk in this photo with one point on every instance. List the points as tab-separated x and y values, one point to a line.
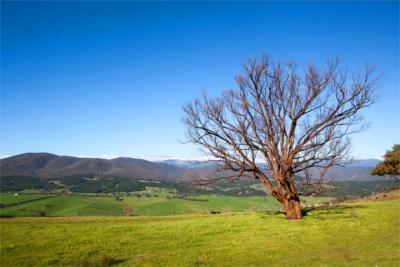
292	208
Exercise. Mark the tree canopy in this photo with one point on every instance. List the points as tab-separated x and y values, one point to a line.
390	165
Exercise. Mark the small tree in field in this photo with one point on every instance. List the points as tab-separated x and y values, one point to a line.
283	119
390	165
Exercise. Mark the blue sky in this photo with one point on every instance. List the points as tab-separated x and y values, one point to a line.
110	78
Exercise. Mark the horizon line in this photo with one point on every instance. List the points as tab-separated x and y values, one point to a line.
148	158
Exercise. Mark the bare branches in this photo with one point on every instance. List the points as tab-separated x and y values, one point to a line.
290	120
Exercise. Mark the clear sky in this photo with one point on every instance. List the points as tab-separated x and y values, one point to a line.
110	78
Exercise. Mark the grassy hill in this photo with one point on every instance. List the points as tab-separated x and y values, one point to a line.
362	233
83	205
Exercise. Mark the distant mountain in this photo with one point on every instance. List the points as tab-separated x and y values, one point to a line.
45	165
356	170
351	173
189	164
363	163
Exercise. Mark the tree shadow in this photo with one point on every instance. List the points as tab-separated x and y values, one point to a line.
271	213
331	212
274	212
321	213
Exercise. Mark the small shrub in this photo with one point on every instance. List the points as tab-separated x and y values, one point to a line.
128	211
211	211
41	213
353	213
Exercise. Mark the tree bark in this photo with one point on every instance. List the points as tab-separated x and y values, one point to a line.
292	208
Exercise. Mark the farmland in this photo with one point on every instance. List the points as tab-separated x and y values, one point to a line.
161	204
362	233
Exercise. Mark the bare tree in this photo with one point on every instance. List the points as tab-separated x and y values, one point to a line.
283	119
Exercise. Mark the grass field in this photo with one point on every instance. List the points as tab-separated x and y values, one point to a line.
364	233
14	199
77	205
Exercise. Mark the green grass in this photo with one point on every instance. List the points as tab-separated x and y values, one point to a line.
163	206
66	206
356	234
12	199
77	205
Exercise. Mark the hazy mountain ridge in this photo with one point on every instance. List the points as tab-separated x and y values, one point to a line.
355	170
189	164
46	165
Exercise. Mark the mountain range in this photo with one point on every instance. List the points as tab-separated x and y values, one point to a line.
46	165
355	170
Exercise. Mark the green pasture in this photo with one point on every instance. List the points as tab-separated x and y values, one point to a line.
364	233
77	205
16	198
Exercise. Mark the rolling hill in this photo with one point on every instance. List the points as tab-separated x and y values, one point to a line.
46	165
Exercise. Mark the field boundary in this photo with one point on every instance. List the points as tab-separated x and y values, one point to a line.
25	201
